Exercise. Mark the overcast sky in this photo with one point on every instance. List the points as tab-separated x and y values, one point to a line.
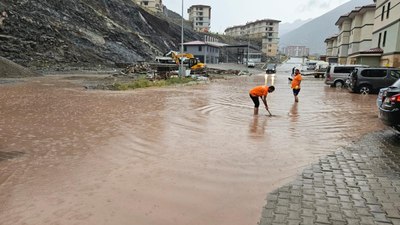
227	13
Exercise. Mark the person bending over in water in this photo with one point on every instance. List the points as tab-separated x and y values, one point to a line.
260	92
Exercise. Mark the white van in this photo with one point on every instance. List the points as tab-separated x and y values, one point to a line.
336	75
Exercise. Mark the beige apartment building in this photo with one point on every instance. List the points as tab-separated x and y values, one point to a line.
266	29
331	49
354	40
200	16
360	39
343	38
367	35
386	32
152	5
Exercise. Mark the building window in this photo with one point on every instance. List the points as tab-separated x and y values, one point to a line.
388	10
383	12
379	40
270	39
185	48
200	48
384	39
270	34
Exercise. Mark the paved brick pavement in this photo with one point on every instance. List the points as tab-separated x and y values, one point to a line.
357	185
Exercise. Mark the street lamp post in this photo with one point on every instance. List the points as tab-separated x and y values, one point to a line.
181	69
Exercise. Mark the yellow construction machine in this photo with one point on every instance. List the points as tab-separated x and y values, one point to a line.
188	59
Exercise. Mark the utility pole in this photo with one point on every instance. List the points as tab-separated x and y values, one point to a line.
182	72
205	49
248	49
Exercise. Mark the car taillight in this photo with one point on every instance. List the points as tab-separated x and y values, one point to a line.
395	98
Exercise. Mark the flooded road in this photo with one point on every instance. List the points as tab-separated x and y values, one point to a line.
163	156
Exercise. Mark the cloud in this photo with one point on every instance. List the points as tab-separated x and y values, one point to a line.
312	5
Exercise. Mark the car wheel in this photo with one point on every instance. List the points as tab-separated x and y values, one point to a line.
338	84
364	89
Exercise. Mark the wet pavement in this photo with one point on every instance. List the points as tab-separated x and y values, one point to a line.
358	184
174	155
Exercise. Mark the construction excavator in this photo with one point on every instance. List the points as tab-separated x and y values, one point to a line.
188	59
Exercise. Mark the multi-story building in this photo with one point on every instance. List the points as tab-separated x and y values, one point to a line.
368	35
355	37
200	16
331	49
266	29
360	40
386	31
296	51
153	5
344	25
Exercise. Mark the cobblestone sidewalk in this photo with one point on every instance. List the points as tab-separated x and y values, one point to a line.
357	185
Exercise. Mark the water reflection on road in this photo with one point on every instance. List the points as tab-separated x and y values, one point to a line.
184	155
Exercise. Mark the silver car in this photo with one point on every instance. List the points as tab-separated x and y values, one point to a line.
336	75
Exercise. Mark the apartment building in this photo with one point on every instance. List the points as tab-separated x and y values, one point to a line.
152	5
360	39
386	32
368	35
344	25
296	51
331	49
266	29
200	16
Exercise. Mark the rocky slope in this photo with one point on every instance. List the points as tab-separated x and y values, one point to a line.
58	34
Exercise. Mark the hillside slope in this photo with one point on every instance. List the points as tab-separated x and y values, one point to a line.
314	33
53	33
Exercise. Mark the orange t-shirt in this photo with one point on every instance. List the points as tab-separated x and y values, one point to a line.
296	81
259	91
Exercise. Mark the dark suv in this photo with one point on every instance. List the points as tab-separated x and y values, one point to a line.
389	105
367	80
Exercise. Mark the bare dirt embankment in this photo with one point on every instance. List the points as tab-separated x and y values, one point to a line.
9	69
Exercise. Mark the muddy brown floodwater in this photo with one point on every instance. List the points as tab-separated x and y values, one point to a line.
163	156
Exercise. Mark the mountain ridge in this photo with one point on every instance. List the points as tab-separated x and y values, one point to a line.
311	33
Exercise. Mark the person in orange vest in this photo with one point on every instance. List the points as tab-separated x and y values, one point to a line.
296	84
260	92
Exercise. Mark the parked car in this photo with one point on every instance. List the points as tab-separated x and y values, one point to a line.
271	68
367	80
389	105
336	75
251	64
